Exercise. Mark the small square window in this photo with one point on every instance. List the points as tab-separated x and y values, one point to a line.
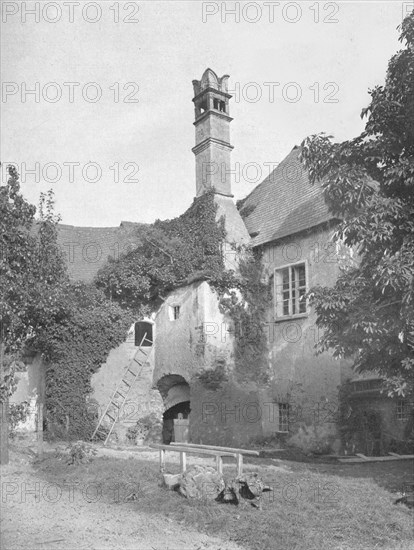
174	313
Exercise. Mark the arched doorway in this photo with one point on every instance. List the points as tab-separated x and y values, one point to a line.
175	392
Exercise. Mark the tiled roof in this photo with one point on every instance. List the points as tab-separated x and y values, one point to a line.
284	203
87	248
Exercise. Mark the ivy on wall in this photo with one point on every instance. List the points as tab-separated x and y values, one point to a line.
74	348
94	318
167	254
247	311
82	323
171	253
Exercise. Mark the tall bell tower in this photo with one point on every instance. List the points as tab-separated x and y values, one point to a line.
212	134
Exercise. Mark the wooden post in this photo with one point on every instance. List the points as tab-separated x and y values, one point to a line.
219	464
162	460
39	428
239	464
183	461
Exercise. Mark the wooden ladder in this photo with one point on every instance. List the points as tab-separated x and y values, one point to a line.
118	398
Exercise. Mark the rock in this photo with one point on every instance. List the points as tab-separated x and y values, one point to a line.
201	482
172	481
245	487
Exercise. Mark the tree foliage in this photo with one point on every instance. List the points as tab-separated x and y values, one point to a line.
166	255
74	348
32	271
369	183
72	325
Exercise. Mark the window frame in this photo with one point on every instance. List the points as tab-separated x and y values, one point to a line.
283	417
137	340
172	312
278	295
402	409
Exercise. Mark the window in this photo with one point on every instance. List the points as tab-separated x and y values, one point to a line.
142	329
362	385
219	105
290	289
174	313
283	417
402	410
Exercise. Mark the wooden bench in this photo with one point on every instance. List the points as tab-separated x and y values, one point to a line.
209	450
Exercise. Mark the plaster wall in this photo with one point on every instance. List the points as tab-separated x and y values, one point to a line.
141	399
193	341
307	381
213	169
30	388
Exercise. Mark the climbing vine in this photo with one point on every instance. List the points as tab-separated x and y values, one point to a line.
180	251
72	325
167	254
246	305
74	348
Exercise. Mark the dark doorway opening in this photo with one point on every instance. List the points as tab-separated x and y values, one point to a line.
142	328
168	420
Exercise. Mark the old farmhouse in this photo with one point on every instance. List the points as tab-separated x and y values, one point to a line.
287	218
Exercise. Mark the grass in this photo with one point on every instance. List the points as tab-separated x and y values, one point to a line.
309	509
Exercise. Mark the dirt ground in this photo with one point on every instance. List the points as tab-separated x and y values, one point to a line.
34	518
49	505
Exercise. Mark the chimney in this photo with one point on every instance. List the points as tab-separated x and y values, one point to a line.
212	134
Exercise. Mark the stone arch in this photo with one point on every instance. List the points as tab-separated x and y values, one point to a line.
175	392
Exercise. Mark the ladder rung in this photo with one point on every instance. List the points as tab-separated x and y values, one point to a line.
118	398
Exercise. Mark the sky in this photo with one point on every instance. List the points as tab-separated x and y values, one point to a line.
109	125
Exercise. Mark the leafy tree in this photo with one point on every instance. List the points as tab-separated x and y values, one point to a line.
72	325
368	183
31	271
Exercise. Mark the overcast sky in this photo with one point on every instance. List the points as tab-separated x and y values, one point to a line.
322	58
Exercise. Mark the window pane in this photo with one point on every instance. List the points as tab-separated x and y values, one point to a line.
302	301
301	275
285	278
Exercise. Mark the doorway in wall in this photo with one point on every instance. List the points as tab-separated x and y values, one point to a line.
175	392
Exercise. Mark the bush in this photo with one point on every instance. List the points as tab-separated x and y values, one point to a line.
80	453
316	440
148	428
17	413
